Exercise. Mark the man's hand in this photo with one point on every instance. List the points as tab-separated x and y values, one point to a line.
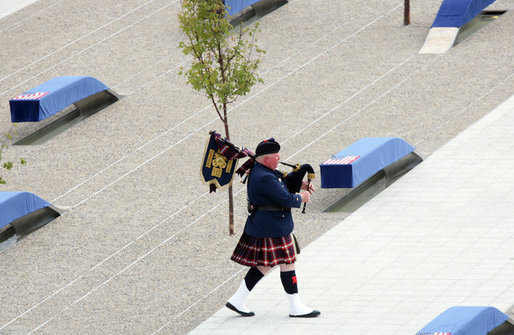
306	196
307	187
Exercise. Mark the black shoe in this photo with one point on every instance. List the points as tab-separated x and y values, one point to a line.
312	314
232	307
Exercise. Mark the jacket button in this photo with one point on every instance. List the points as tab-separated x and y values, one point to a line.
283	216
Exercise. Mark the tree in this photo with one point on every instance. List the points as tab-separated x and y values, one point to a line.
7	165
224	63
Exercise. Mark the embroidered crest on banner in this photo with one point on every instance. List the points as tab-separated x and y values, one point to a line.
217	169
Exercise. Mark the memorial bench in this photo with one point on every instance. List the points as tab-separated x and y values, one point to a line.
240	11
452	15
361	160
236	6
469	320
54	95
22	212
456	13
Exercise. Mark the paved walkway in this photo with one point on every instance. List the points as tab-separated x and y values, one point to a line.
9	6
440	236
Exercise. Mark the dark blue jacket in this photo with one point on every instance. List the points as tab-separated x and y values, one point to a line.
266	188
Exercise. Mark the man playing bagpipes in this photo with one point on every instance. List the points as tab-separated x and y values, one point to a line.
266	240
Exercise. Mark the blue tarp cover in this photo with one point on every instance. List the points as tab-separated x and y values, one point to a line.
465	320
456	13
14	205
52	96
235	6
362	160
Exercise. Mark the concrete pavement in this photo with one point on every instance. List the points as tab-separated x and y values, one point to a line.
8	7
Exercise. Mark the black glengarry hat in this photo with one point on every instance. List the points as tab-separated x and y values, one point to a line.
269	146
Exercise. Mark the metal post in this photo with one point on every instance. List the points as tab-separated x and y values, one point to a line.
406	13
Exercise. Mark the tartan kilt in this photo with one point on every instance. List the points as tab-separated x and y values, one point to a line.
264	251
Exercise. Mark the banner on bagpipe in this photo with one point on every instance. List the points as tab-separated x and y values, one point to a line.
220	161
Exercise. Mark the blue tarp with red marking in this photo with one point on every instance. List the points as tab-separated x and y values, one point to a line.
14	205
52	96
456	13
465	320
361	160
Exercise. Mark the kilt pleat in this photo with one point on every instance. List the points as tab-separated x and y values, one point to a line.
264	251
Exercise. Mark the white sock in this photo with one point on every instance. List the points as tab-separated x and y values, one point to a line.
238	299
296	307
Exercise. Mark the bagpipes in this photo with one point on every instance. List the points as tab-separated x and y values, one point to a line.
294	178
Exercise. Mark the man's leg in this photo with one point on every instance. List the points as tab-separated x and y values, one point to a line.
236	302
290	283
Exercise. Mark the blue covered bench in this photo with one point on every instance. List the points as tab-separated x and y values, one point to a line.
456	13
235	6
361	160
15	206
52	96
465	320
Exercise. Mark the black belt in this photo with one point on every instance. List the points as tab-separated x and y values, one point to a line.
271	208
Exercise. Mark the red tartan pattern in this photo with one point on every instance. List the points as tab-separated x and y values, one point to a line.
264	251
230	151
233	152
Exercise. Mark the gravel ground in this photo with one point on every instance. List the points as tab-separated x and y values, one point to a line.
142	242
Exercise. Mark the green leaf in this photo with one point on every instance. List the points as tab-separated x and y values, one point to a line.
11	134
8	165
223	64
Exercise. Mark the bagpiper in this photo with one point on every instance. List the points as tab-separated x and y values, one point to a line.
266	240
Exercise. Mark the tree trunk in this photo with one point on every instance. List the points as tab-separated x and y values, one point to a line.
406	12
230	211
231	229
